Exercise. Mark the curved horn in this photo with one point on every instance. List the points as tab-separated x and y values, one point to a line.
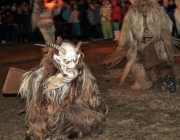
78	45
57	47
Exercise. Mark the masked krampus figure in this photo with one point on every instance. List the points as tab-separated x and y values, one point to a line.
42	17
147	44
63	100
177	15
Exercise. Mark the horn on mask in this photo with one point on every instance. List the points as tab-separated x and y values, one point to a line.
57	47
78	45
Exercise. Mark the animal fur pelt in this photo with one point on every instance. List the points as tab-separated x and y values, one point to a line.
177	15
159	27
59	107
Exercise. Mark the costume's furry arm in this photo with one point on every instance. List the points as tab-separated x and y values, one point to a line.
90	92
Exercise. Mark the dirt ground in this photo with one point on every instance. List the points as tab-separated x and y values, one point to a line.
133	115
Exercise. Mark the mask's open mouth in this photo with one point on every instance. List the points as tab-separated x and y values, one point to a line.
69	70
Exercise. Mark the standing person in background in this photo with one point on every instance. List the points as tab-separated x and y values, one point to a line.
97	19
125	6
2	31
3	8
105	14
170	11
74	19
177	16
90	17
116	18
160	2
18	26
8	7
9	25
66	16
27	24
172	7
84	22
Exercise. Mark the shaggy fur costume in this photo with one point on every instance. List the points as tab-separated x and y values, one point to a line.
58	107
177	15
146	30
42	18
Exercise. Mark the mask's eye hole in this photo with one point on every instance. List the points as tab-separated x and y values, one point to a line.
66	61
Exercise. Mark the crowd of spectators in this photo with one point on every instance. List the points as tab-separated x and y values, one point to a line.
93	19
15	23
170	6
79	19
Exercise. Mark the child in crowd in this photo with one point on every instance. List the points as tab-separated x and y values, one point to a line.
105	14
116	18
74	19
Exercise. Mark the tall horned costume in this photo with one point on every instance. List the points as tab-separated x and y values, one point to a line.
147	44
63	100
42	17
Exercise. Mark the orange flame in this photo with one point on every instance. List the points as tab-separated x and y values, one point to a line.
52	4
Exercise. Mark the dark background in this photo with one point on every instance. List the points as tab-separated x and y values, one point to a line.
4	2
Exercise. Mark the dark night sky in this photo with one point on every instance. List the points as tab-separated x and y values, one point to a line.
3	2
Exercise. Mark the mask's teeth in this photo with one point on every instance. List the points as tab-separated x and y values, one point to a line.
69	70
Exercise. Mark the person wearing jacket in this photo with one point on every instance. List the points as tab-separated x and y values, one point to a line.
66	16
97	18
116	18
9	25
74	19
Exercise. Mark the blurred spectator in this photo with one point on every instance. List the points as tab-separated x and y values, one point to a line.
14	5
125	6
177	16
2	30
97	18
84	22
3	8
18	26
8	7
170	11
9	21
74	19
160	2
116	18
27	34
66	16
14	8
91	17
172	7
105	13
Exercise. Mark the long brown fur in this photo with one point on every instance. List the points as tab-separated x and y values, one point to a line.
75	109
160	27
